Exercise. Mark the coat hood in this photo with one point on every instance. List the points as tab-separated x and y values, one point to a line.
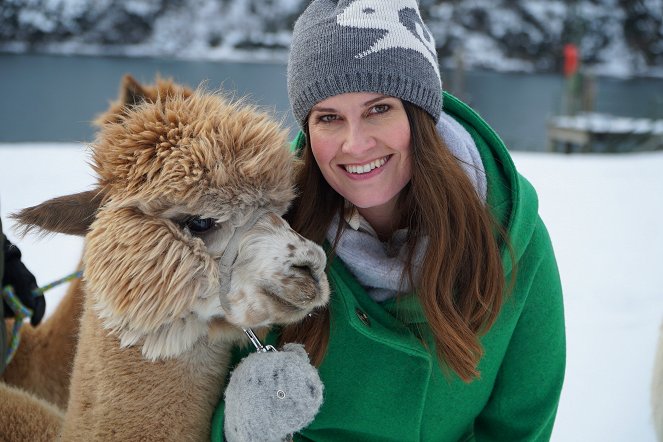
511	198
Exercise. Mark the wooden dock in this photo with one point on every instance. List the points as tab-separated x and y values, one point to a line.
593	132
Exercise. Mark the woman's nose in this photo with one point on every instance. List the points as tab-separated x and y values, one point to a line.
358	139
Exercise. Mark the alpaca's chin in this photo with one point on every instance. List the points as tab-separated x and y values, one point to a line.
169	341
268	307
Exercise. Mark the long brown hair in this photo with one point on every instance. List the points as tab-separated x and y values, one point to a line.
462	279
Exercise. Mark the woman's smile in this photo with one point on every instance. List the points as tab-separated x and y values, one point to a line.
365	169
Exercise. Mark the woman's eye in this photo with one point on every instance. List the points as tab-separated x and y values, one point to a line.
328	118
199	225
380	108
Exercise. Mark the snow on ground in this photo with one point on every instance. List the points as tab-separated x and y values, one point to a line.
604	214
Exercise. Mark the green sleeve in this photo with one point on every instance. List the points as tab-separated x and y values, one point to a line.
523	403
216	434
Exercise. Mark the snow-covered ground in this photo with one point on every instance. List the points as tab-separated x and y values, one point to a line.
605	217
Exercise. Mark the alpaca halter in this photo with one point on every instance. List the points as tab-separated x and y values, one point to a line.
229	255
228	258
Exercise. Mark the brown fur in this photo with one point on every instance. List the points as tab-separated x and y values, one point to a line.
71	216
118	395
155	332
133	93
27	418
142	160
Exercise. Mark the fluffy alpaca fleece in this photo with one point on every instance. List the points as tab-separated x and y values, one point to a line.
43	362
164	162
657	388
179	177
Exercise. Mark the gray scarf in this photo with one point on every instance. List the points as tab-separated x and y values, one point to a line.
377	265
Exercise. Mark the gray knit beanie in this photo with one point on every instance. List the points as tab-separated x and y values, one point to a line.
380	46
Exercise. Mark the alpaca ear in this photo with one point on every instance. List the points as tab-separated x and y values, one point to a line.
131	91
71	214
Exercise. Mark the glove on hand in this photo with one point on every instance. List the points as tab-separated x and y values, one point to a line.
271	395
23	282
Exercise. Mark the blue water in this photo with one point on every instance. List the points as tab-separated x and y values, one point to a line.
54	98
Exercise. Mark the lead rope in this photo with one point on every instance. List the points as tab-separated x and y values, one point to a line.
21	311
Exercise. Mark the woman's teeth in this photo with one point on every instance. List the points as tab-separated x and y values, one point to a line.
366	167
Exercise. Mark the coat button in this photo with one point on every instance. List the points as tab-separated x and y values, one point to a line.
363	317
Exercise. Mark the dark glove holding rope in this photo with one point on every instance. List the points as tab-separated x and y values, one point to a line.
23	282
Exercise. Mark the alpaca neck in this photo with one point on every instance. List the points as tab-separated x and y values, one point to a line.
117	394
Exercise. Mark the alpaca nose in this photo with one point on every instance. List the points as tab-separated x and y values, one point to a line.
309	261
304	270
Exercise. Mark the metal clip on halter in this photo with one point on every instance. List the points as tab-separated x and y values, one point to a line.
256	342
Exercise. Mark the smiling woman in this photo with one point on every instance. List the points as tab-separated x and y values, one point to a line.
361	142
446	319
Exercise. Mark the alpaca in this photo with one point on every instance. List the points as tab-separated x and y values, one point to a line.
43	362
657	388
186	247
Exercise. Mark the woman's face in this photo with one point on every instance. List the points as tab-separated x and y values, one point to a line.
361	142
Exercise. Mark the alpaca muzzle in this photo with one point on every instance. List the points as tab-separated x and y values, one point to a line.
229	255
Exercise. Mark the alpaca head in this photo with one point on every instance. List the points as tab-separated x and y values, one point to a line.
184	230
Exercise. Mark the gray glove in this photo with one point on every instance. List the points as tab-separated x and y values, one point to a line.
271	395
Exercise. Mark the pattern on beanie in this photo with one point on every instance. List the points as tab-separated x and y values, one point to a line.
380	46
387	16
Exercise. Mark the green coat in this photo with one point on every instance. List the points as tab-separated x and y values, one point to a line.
382	384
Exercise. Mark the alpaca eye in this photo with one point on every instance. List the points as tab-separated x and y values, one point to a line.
199	225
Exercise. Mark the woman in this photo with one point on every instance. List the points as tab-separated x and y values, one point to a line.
446	318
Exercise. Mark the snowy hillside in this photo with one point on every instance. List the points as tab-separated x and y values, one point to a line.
615	37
